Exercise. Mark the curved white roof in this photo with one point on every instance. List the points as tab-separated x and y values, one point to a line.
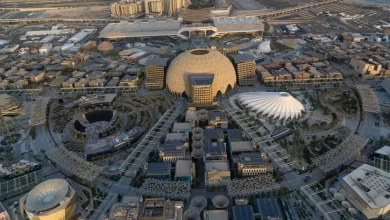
47	195
272	104
265	46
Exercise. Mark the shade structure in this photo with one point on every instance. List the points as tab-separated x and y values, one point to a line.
198	203
278	105
191	214
197	153
220	201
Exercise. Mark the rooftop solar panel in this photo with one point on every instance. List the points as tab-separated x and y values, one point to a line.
268	207
243	212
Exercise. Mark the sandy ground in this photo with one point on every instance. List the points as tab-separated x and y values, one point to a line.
89	12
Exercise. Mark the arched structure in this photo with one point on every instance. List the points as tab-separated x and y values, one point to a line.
208	65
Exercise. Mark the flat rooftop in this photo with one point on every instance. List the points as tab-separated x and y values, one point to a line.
253	158
241	146
140	29
242	58
385	150
183	168
183	126
216	166
371	184
157	62
159	169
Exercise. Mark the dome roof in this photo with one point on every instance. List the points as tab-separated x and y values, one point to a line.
200	61
47	195
105	47
272	104
265	46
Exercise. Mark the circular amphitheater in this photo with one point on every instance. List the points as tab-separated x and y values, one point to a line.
52	199
96	123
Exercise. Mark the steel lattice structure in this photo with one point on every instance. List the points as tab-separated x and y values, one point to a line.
74	164
39	111
139	155
20	184
22	92
92	90
369	100
13	124
166	189
250	128
342	153
252	185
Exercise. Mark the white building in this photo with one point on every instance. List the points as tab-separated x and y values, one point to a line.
367	189
46	48
292	28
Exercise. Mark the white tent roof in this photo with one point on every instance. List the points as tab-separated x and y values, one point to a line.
272	104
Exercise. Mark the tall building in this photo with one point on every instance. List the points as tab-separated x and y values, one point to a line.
172	7
154	7
126	9
201	88
245	66
155	72
367	188
382	158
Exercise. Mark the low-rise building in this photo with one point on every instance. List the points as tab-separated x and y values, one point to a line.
252	164
243	212
218	119
366	67
217	173
129	81
214	150
158	171
36	76
382	158
46	48
173	151
367	188
182	127
268	208
128	209
216	215
185	170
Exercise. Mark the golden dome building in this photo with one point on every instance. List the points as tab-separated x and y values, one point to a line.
52	199
201	74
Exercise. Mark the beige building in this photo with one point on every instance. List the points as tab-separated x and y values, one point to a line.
217	173
126	9
201	88
366	67
246	69
161	209
251	164
367	188
205	63
52	199
155	72
154	7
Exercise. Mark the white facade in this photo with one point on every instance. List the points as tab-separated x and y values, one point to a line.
278	105
367	189
45	49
